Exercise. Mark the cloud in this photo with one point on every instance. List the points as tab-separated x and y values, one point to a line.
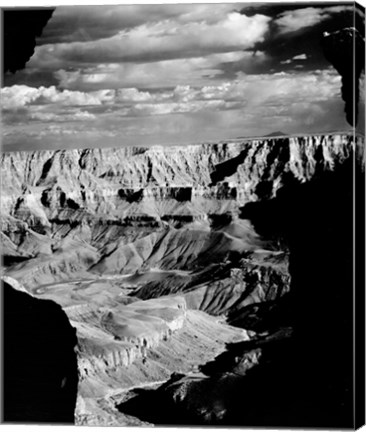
156	41
63	117
251	89
296	57
18	96
168	73
279	89
294	20
175	107
132	95
110	75
296	29
264	95
300	57
180	128
151	46
80	23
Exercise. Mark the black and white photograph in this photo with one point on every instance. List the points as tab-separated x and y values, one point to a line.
183	215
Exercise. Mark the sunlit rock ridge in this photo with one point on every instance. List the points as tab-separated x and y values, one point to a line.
118	183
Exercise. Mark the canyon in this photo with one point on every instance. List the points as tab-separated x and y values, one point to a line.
207	284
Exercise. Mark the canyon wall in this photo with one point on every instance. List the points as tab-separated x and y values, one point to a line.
148	250
46	187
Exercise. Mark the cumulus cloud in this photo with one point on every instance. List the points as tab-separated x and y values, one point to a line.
293	20
132	95
265	90
18	96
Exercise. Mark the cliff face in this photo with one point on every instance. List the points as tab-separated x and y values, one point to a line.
116	338
227	288
37	186
40	368
90	202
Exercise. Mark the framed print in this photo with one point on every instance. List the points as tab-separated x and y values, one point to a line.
183	214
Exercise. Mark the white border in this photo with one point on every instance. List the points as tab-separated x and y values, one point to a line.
44	3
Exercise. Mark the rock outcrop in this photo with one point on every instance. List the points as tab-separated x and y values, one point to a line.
227	288
21	28
40	374
117	337
345	50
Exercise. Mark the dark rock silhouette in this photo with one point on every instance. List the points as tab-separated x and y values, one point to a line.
345	50
40	374
21	27
317	221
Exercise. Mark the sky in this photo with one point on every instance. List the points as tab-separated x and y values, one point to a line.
175	74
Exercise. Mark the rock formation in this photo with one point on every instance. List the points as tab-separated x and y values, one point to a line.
40	374
194	267
303	375
345	50
21	27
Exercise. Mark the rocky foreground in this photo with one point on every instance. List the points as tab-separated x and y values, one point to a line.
207	284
